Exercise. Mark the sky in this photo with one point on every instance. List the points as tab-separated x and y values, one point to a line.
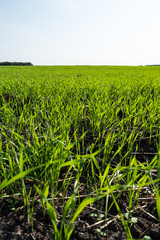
80	32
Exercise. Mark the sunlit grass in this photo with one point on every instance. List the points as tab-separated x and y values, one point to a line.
60	125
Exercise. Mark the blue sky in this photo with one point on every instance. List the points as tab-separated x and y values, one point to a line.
80	32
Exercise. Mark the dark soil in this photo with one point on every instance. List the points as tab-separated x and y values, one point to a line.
15	224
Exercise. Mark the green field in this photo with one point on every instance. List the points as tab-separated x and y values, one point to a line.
86	136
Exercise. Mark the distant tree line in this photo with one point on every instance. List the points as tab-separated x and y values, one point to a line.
153	65
16	64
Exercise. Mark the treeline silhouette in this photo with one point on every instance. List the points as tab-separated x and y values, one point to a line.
153	65
16	64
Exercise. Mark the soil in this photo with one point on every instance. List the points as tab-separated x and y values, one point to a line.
15	224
